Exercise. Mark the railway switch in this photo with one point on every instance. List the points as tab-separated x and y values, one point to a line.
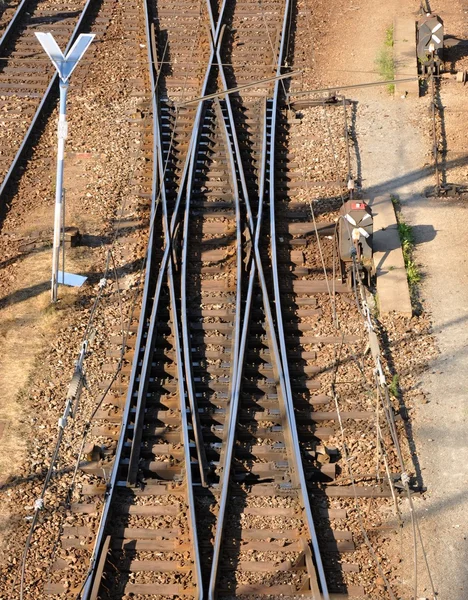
355	233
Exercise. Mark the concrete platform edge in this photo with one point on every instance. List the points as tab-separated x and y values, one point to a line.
392	283
404	56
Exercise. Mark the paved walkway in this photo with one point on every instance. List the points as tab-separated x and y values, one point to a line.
441	426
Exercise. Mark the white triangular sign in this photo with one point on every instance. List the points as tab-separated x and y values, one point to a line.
65	65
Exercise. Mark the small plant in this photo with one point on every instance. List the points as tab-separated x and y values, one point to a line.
413	273
405	232
384	61
385	64
393	388
389	36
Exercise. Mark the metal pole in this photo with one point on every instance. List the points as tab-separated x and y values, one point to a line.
62	136
63	235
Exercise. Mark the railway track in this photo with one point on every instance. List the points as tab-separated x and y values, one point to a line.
214	486
7	12
27	76
75	534
210	327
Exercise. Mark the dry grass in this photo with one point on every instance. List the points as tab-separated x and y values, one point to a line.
28	322
25	325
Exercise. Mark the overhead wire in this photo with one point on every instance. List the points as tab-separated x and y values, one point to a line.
344	445
382	389
380	380
348	459
364	310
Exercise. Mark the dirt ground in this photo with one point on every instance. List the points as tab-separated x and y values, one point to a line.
394	147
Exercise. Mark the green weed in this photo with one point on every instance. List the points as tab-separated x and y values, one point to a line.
384	61
405	232
413	273
389	36
393	388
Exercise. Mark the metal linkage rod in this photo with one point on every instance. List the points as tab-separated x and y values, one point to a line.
227	91
349	87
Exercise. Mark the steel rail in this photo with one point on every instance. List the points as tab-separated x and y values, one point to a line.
239	235
140	408
238	317
237	371
141	327
236	163
177	344
186	339
180	382
139	343
289	425
279	318
46	97
215	32
187	346
231	420
278	373
18	14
